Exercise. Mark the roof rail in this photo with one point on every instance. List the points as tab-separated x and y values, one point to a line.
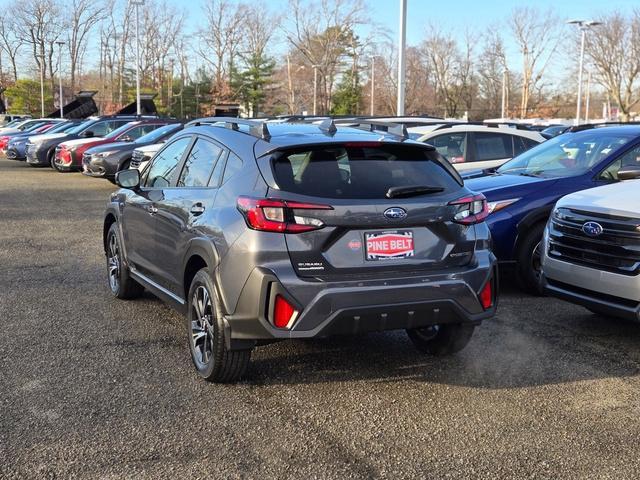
257	128
397	129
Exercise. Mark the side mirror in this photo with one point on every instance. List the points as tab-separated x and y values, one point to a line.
629	173
87	134
126	138
129	178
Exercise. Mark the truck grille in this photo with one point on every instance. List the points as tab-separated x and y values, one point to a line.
137	158
616	249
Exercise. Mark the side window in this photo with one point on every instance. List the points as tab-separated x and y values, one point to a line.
234	164
199	164
452	146
492	146
100	129
162	170
522	144
629	159
216	176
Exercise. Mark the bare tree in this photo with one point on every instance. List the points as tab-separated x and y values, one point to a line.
537	35
492	71
320	31
84	15
10	43
614	50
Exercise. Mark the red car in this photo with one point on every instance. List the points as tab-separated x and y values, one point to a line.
68	156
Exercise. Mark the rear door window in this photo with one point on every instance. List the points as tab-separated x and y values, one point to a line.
492	146
359	171
452	146
199	164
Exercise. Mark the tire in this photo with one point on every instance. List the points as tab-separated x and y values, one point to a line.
52	162
441	340
528	260
205	330
122	286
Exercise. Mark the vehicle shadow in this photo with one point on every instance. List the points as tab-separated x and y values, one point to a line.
523	349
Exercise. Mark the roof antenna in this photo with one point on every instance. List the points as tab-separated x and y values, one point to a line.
327	126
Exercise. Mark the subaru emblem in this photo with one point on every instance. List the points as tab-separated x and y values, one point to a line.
592	229
395	213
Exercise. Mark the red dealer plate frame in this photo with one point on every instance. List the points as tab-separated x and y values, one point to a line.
388	245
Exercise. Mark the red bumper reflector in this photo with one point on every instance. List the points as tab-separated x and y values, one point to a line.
486	295
283	312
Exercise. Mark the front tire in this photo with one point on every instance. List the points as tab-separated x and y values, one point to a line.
122	286
529	260
52	162
440	340
209	354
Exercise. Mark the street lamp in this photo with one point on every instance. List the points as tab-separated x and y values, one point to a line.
584	25
41	57
60	43
138	3
315	89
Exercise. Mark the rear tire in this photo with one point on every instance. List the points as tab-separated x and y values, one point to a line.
207	345
441	340
528	258
122	286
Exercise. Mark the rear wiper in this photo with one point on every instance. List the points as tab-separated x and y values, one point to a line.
412	191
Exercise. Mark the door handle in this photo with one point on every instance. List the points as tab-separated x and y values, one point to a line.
152	210
197	209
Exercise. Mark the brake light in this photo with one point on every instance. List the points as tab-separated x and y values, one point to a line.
283	312
274	215
486	295
471	209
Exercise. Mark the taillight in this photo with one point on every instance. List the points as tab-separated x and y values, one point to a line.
283	312
4	140
274	215
486	295
471	209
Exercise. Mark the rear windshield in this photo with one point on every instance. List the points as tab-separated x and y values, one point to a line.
360	171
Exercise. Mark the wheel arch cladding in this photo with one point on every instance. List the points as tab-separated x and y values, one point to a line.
193	266
109	220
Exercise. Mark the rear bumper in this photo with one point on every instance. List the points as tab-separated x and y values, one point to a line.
362	306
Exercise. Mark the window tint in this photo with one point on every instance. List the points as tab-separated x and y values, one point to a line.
492	146
162	170
234	164
359	171
199	164
451	146
522	144
629	159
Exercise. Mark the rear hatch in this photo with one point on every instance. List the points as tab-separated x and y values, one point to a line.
378	209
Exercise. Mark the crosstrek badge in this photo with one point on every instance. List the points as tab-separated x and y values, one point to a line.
388	245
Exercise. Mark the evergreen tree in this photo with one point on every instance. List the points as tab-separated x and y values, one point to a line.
348	96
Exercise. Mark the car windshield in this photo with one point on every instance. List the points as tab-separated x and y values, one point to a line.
81	127
119	131
34	127
158	133
567	155
62	127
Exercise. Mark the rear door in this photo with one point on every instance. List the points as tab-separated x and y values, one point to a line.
185	208
364	232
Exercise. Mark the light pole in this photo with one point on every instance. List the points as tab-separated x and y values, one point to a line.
373	83
41	57
584	25
315	89
137	4
505	74
588	99
60	44
401	56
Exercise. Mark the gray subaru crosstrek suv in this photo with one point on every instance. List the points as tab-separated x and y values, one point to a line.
260	232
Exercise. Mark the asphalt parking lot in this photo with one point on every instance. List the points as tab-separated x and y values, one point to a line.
93	387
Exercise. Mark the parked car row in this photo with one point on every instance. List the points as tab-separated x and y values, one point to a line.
266	230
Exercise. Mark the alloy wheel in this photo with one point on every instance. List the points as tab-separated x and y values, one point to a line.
113	263
202	329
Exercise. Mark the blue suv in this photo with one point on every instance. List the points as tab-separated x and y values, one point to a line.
522	192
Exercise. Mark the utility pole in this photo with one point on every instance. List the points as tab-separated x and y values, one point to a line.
373	83
41	57
137	4
584	25
402	44
60	100
315	89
